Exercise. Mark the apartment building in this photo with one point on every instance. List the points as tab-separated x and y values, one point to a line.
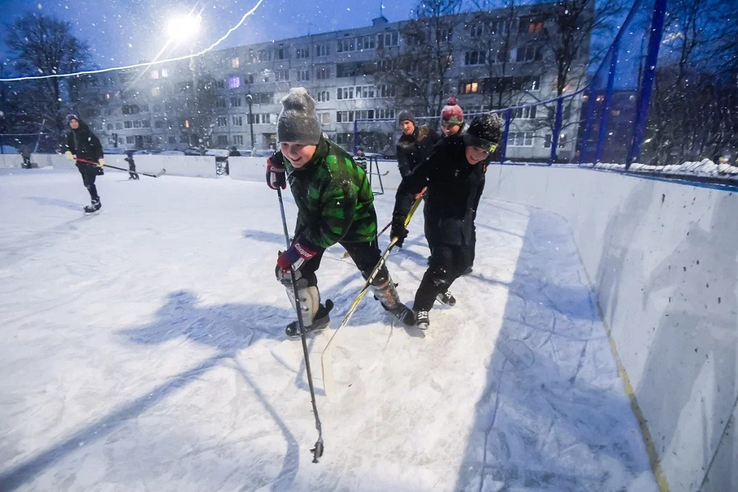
240	88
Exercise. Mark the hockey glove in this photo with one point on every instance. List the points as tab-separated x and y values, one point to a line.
300	252
275	174
398	230
101	162
69	155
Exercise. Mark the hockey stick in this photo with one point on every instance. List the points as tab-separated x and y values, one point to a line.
85	161
346	255
318	449
326	362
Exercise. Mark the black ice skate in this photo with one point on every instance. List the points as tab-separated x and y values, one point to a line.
402	313
93	207
320	321
422	320
446	298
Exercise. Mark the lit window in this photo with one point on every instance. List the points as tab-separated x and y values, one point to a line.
164	73
234	82
155	91
154	74
235	62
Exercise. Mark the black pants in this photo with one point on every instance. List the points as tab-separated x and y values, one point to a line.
89	173
365	256
470	250
447	263
132	171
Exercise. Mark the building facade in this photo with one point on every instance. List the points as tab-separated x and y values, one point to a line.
497	60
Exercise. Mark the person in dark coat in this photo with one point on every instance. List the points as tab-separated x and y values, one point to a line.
452	175
25	152
132	174
415	143
233	152
84	147
360	159
452	123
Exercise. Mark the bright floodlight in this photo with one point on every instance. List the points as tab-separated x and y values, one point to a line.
182	28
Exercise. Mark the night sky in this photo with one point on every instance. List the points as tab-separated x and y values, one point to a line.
130	31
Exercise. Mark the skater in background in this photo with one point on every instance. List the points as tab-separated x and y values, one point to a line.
81	143
360	158
452	174
415	143
335	205
452	118
131	165
25	152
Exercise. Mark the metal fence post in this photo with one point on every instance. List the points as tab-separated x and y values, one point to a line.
606	106
644	98
587	126
503	153
556	131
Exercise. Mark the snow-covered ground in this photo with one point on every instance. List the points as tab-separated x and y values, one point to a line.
143	349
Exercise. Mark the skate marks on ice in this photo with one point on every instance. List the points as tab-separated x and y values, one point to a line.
260	450
553	415
55	202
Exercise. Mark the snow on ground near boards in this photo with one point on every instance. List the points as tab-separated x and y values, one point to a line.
144	349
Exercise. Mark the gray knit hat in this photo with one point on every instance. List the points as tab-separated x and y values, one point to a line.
406	116
298	121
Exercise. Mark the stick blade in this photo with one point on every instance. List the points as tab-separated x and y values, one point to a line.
326	364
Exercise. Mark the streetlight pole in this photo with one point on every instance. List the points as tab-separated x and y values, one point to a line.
250	100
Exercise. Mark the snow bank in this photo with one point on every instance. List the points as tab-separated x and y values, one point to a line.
704	167
663	259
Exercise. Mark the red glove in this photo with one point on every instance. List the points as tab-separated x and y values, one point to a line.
275	174
300	252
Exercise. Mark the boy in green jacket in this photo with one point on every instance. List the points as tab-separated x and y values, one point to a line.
335	205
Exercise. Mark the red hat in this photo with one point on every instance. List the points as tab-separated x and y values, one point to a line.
451	114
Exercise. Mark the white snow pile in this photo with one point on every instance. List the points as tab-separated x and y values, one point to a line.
704	167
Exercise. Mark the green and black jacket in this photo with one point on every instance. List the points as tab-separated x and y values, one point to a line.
334	199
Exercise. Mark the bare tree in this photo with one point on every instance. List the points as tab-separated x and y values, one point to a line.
43	45
694	107
492	31
566	33
421	69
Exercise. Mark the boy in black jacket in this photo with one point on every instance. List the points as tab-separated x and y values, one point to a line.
453	174
414	145
82	145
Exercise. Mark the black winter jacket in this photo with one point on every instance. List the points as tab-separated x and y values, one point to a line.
452	195
413	149
84	144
